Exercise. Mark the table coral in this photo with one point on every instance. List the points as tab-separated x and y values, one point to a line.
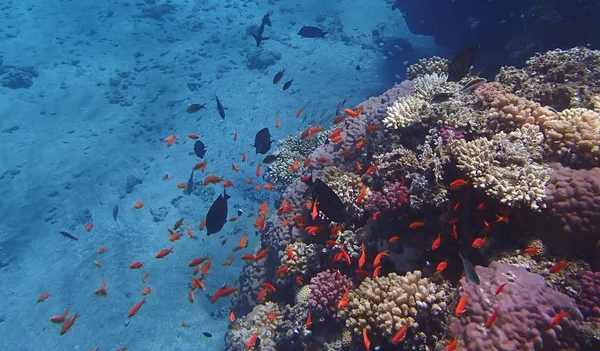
326	292
526	305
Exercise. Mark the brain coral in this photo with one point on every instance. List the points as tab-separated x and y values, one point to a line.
526	306
574	204
385	304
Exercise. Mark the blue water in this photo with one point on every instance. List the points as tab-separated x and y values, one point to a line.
91	87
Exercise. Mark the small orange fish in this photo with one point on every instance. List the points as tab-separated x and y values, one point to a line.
458	184
235	168
436	243
557	267
272	316
191	296
373	128
164	253
455	208
98	264
227	183
147	290
277	124
100	250
441	266
68	324
231	317
136	265
338	119
461	307
360	143
212	179
366	340
138	205
170	139
343	304
452	345
252	341
243	157
500	288
145	278
269	186
43	296
482	206
206	268
315	129
269	286
393	239
308	320
61	318
478	243
235	137
363	257
416	224
399	336
202	224
335	231
299	112
290	253
503	219
102	290
371	169
89	227
556	319
352	113
492	319
258	169
337	139
193	136
377	260
282	270
299	280
376	271
189	230
136	308
181	185
531	251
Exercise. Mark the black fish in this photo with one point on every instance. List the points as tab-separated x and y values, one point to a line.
195	108
259	35
460	65
278	76
267	18
311	32
269	159
207	334
262	141
470	270
190	185
240	212
287	84
199	149
67	235
473	84
115	212
441	97
217	214
220	107
357	67
329	203
339	109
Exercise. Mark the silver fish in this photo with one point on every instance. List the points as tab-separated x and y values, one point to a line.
470	270
339	110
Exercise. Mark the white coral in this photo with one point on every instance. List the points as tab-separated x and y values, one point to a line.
404	112
427	85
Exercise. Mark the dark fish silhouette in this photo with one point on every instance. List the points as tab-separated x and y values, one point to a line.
115	212
470	270
190	184
267	18
473	84
441	97
278	76
357	67
287	84
339	110
262	141
311	32
269	159
67	235
217	214
460	65
207	334
258	36
195	108
220	107
329	203
199	149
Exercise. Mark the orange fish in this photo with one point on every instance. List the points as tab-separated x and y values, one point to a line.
399	336
68	324
269	287
416	224
352	113
531	251
261	295
492	319
98	264
379	256
393	239
212	179
337	139
146	291
202	224
252	341
299	112
277	124
262	253
557	267
478	243
164	253
243	157
235	168
282	270
257	187
299	280
138	205
43	296
193	136
482	206
503	219
371	169
60	319
363	257
100	250
343	304
441	266
461	307
136	265
269	186
436	243
452	345
455	208
243	241
178	223
170	139
366	340
556	319
191	297
376	271
227	183
136	308
315	129
206	268
339	119
182	185
373	128
258	169
458	184
235	136
189	230
145	278
272	316
89	227
314	212
500	288
231	317
360	143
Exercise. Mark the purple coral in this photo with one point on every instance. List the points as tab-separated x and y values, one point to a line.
589	299
327	289
457	133
525	306
389	200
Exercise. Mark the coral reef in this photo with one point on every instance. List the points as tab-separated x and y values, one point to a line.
327	289
433	65
589	298
525	308
347	186
256	321
405	111
392	199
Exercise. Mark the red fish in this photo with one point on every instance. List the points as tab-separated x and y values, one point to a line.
478	243
258	169
556	319
202	224
399	336
277	124
170	140
68	324
146	291
136	308
441	266
416	224
500	288
452	345
243	157
102	290
458	184
235	136
461	307
136	265
227	183
299	112
339	119
197	261
252	341
193	136
366	340
315	212
60	319
138	205
531	251
394	239
363	257
492	319
557	267
89	227
164	253
308	320
436	243
282	270
371	169
379	256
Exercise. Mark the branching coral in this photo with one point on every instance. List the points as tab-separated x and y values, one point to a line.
385	304
424	66
525	307
426	86
304	256
405	111
347	186
507	166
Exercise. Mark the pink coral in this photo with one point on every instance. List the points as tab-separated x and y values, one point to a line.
327	289
390	200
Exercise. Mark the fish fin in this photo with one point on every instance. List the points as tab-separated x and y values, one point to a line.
225	196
